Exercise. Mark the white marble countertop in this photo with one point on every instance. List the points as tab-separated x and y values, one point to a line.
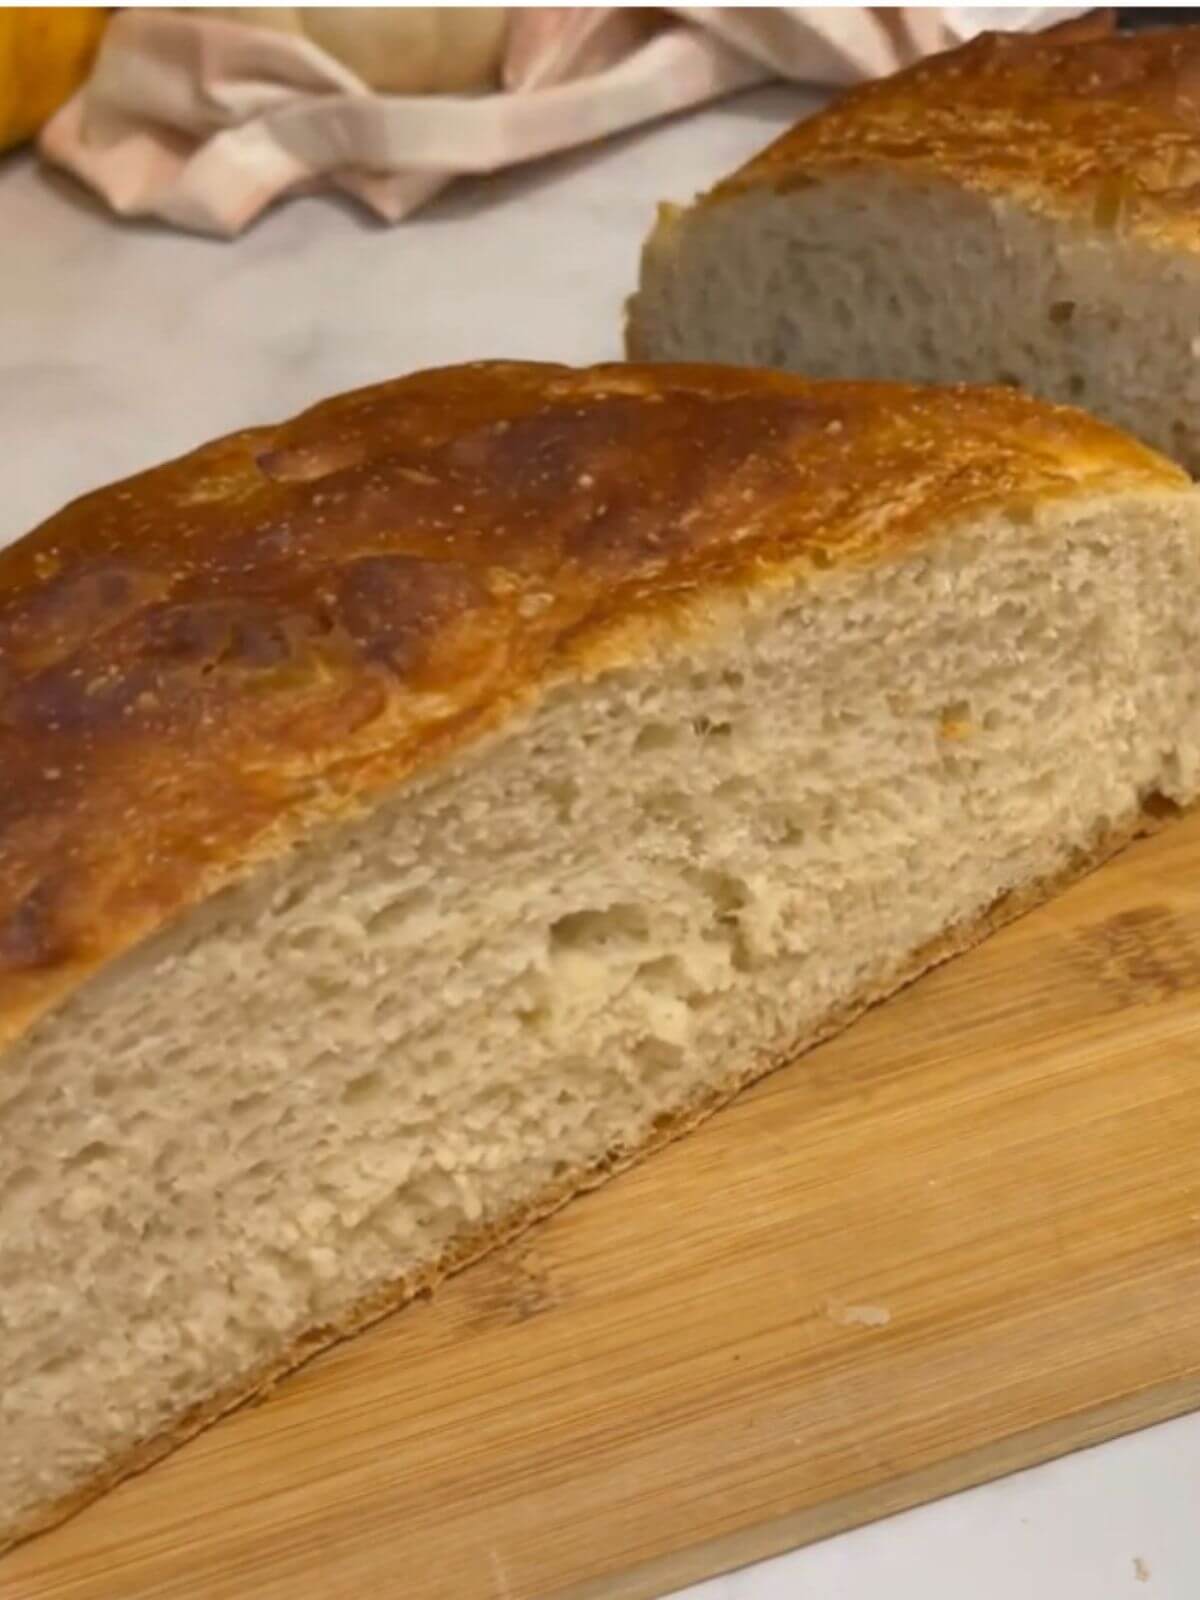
122	344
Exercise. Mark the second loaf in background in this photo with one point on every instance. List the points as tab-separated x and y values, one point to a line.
1021	210
416	810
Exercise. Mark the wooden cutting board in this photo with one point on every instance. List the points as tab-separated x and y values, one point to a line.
961	1238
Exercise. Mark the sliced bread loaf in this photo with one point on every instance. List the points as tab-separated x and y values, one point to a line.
413	812
1021	210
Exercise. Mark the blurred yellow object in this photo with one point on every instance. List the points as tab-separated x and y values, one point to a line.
45	54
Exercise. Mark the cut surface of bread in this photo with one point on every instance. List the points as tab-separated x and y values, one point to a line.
1020	210
414	812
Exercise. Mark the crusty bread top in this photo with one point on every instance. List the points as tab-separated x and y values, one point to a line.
1078	122
201	663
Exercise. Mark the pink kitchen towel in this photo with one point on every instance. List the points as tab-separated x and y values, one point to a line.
203	122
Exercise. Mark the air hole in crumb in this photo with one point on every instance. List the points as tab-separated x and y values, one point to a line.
18	1182
1075	385
664	975
954	720
562	793
790	834
87	1156
289	898
592	929
389	1008
656	1057
325	986
247	1104
12	1102
1159	807
727	893
655	736
167	1156
667	805
397	912
367	1086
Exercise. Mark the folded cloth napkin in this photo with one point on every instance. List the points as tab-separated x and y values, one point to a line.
203	122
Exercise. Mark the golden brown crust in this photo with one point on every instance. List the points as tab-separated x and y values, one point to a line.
1080	123
472	1246
202	663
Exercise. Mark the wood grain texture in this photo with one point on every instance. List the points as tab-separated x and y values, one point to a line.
961	1238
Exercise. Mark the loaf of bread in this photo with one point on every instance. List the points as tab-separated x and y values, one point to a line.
1021	210
416	811
394	49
